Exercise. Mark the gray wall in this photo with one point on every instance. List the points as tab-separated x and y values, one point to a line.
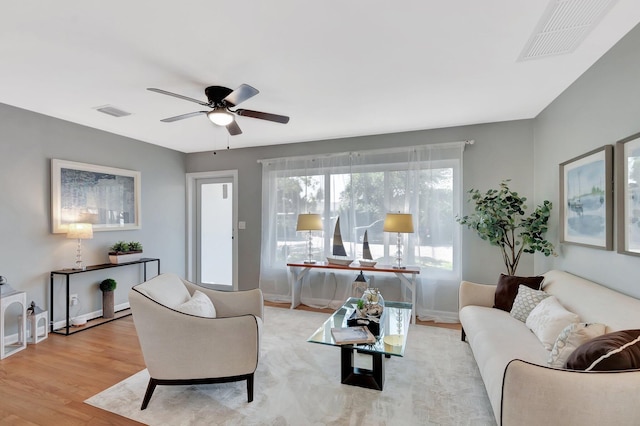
501	151
600	108
28	142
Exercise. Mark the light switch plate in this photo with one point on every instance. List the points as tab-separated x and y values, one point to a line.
242	225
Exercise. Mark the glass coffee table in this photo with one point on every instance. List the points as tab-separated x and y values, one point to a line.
391	342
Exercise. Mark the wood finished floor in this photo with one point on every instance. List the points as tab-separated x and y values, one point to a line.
47	383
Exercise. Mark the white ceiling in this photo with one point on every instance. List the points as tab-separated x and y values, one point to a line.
338	68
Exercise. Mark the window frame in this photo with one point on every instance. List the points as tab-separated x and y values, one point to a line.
455	165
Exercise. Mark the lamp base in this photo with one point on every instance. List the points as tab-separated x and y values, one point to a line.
309	262
399	267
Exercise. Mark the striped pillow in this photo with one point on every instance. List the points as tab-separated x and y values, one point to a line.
619	350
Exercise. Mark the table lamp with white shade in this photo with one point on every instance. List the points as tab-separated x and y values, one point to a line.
80	231
402	223
309	222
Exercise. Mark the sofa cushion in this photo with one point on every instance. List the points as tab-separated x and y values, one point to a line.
496	339
166	289
507	289
199	305
619	350
548	319
526	300
571	338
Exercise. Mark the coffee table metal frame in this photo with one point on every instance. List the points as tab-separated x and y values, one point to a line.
395	321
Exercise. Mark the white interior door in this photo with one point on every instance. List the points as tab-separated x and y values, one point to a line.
214	246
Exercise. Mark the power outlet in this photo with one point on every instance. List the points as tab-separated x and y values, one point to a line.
73	300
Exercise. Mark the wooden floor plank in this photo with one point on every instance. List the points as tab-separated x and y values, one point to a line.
47	383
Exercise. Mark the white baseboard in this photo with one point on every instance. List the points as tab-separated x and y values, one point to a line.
89	316
14	338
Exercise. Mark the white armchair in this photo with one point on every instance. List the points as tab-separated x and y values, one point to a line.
183	348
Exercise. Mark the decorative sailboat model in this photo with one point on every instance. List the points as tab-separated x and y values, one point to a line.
367	259
338	248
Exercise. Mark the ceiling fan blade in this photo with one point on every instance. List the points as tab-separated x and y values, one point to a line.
183	116
175	95
263	115
234	129
241	94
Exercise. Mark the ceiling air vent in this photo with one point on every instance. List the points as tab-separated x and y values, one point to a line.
113	111
563	26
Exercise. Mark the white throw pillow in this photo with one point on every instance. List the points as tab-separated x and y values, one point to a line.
199	305
570	338
548	319
526	299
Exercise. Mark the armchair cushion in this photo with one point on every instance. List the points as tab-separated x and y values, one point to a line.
199	305
166	289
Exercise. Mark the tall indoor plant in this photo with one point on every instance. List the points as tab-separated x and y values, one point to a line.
499	217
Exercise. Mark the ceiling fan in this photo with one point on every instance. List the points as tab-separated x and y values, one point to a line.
221	99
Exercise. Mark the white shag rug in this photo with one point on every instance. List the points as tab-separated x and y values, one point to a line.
298	383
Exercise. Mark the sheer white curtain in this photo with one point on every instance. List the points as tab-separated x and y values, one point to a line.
360	188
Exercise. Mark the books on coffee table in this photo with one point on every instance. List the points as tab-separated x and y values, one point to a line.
352	335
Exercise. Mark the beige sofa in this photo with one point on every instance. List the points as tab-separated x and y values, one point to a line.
513	363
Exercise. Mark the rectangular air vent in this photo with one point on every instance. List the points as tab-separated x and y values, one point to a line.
113	111
563	26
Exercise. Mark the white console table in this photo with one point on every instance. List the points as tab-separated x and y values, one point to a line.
407	278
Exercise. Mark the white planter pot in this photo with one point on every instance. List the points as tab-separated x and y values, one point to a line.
124	258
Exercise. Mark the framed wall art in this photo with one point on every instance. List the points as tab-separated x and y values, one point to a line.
106	197
586	199
628	194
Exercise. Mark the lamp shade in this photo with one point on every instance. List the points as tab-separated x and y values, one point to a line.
309	222
398	222
82	231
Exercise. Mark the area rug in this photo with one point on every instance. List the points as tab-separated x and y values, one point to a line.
298	383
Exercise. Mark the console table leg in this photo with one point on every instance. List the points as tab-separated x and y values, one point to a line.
68	321
51	307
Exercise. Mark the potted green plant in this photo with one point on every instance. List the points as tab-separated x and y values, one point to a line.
123	252
107	287
499	218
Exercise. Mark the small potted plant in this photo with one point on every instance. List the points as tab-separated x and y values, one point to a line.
107	287
123	252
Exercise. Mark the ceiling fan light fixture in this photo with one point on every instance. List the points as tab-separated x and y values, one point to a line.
220	116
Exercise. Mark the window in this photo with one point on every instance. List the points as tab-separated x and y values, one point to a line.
360	188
